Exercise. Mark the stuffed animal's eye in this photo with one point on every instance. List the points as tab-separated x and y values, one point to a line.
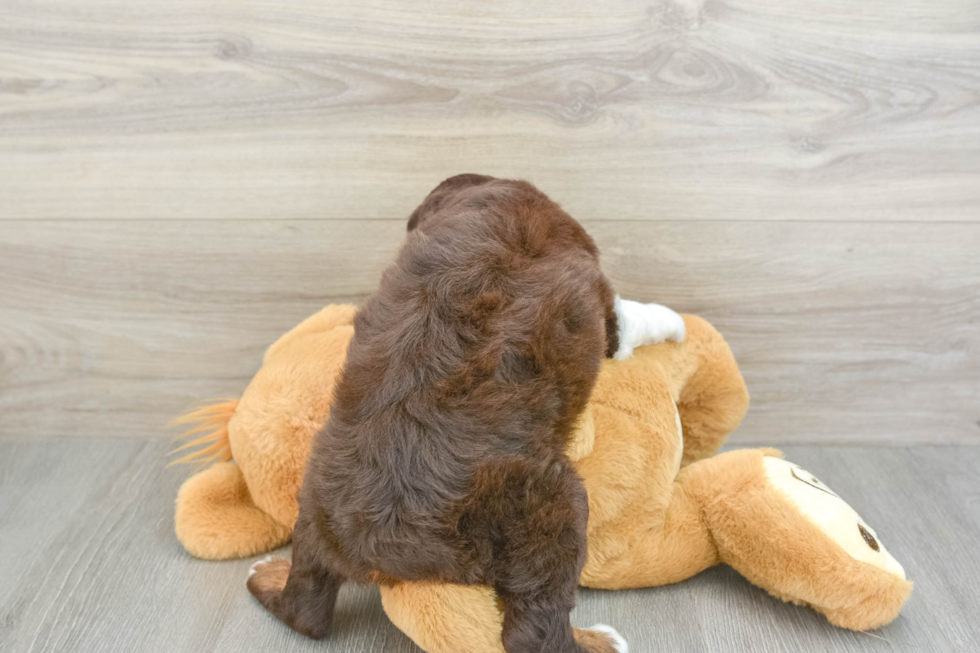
869	538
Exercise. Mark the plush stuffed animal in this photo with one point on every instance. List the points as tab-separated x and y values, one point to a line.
662	506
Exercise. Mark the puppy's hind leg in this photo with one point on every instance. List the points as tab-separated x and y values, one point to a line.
539	556
301	595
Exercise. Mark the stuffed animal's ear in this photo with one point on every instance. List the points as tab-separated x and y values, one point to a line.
328	318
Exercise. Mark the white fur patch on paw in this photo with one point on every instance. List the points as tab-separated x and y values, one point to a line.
645	324
255	565
618	642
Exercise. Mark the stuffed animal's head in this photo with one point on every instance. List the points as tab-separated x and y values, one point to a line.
828	512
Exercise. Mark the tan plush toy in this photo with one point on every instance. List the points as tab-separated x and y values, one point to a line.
662	506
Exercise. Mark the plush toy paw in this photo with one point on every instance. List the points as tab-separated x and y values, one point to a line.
645	324
601	638
217	519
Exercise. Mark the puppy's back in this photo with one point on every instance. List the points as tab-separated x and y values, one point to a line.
483	341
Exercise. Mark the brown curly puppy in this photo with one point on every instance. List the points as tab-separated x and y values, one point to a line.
444	454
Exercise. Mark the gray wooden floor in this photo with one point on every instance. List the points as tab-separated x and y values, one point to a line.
89	563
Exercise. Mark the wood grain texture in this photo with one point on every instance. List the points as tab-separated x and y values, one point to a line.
90	564
845	332
627	110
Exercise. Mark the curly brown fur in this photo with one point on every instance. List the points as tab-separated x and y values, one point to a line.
443	457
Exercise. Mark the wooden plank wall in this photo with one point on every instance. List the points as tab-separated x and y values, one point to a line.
180	182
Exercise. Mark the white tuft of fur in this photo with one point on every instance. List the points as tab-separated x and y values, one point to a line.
255	565
645	324
618	642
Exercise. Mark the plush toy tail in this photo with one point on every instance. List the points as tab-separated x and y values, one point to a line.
214	444
216	518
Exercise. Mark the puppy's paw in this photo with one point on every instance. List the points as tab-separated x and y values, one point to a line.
646	324
672	325
257	563
601	638
267	576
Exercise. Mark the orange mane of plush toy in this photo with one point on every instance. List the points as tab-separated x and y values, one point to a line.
662	505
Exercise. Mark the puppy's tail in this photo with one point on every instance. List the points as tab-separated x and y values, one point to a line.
214	445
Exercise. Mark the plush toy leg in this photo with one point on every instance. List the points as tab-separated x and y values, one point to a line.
644	528
444	618
791	535
643	554
702	378
216	518
713	398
